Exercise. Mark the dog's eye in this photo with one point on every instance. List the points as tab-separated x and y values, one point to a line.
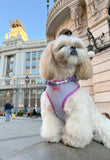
61	47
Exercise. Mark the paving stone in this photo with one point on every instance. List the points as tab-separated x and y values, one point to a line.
20	140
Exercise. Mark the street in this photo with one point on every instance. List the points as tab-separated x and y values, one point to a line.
17	134
20	140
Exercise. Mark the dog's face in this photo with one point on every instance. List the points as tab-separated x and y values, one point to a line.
65	56
68	51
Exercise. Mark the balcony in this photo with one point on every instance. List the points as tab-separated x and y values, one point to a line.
59	11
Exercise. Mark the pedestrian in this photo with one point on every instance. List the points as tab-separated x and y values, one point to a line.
12	110
28	115
7	110
34	112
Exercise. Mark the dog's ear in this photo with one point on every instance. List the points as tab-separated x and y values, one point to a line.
47	62
84	70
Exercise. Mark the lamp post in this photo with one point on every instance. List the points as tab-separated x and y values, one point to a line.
96	44
27	80
47	7
90	51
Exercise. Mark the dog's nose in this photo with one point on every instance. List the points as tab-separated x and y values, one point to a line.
73	50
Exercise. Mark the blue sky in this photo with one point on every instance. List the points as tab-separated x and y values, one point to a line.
32	13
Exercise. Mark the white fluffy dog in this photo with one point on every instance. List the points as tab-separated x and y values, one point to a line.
75	120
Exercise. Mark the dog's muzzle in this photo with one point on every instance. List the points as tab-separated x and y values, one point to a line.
73	50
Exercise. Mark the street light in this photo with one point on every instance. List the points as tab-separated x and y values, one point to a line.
47	6
94	46
90	51
27	79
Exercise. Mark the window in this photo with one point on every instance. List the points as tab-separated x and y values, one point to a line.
7	82
39	56
15	43
4	95
66	32
39	80
38	97
11	59
33	71
10	66
33	95
28	54
27	63
32	62
33	82
40	92
11	74
34	55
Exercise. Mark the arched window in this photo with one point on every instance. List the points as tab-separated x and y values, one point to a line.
66	32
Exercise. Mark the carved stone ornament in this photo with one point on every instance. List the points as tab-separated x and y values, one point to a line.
76	15
93	5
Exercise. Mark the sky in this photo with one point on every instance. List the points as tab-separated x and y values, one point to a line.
32	13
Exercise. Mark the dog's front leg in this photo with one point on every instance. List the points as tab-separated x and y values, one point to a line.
77	131
51	125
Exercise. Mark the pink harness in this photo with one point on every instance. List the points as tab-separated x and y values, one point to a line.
58	92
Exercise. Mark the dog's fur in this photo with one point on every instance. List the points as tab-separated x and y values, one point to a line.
83	120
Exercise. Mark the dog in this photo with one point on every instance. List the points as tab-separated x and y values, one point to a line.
68	112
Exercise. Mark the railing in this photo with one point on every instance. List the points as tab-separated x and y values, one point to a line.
59	4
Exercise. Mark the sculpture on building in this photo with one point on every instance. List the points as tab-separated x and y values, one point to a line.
14	24
93	6
76	14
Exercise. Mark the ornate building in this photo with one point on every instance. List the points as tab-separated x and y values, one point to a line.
20	57
73	17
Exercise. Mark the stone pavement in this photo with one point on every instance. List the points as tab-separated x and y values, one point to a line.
20	140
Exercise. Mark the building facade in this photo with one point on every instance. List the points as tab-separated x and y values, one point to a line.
74	17
20	57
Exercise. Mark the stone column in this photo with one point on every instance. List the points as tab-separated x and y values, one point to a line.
17	64
5	66
14	98
37	59
29	101
2	66
22	56
20	98
36	98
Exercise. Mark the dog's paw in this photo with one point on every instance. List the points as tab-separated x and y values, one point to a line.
52	138
74	142
49	137
107	145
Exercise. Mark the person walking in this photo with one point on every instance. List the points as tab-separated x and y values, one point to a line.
12	110
7	110
34	112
